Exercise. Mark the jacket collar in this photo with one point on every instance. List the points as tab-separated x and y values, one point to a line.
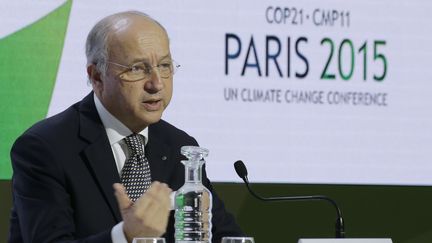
98	152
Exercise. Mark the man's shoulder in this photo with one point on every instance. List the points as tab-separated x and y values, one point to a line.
62	121
53	133
170	133
59	125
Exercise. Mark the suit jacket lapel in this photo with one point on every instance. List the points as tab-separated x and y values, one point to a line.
101	160
160	156
99	153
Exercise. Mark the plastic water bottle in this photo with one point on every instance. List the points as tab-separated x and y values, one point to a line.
193	201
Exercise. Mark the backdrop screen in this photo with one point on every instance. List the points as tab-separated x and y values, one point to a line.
334	92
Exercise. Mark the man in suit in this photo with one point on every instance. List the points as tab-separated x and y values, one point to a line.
70	180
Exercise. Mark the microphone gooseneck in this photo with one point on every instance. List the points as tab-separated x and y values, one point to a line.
241	170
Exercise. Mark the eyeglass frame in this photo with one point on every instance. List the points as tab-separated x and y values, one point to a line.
175	67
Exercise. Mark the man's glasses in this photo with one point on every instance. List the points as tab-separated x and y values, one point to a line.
143	70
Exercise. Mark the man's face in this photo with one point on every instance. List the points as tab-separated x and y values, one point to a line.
139	103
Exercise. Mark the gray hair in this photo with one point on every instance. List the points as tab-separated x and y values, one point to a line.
97	48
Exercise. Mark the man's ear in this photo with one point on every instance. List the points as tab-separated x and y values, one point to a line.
95	78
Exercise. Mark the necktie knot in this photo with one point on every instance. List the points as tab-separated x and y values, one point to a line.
135	144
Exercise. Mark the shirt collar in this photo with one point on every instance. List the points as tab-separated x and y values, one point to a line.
114	128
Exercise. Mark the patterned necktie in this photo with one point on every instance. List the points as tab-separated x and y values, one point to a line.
135	174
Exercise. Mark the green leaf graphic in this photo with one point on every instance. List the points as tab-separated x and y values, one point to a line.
29	60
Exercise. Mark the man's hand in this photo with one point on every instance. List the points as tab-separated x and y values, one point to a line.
148	215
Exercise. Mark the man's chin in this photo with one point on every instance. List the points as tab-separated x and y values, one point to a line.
144	119
152	118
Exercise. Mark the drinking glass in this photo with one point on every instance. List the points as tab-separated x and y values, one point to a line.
148	240
238	240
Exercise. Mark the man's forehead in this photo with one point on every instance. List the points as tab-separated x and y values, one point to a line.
138	35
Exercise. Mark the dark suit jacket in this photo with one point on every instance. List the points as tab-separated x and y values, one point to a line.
64	170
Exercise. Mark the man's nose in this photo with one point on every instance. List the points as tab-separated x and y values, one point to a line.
155	83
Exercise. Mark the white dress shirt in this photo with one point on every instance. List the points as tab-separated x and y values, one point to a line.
116	132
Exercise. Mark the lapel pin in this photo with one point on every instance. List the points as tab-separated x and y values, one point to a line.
164	157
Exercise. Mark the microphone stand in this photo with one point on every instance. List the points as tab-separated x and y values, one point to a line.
340	228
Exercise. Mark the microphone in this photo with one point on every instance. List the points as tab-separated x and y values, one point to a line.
241	170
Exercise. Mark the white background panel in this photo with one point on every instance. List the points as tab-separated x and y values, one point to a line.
288	142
